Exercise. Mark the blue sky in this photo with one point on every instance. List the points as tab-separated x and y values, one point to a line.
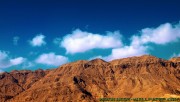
48	33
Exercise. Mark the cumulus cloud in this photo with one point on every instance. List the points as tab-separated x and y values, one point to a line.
126	51
17	61
15	40
6	61
163	34
51	59
38	40
81	41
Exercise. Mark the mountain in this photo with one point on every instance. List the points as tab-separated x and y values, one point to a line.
86	81
175	59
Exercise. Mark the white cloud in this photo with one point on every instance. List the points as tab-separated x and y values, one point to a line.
51	59
6	61
123	52
126	51
38	40
81	41
15	40
17	61
165	33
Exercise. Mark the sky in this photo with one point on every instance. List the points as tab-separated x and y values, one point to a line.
48	33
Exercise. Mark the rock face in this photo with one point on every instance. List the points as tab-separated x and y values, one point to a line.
87	81
12	84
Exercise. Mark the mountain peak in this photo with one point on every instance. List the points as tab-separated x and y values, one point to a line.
175	59
97	61
138	59
145	76
80	62
147	56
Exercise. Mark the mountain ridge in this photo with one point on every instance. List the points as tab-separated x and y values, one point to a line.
141	76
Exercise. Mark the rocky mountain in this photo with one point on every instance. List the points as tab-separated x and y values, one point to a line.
87	81
15	82
175	59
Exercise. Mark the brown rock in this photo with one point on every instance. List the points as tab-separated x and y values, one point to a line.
175	59
87	81
15	82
